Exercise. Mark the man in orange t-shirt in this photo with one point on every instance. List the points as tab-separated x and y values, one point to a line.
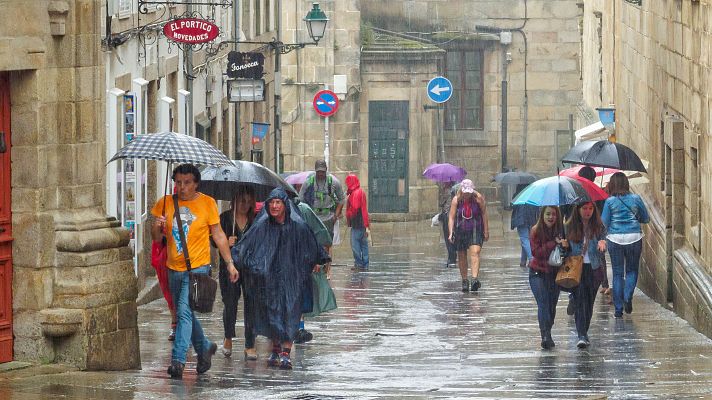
200	220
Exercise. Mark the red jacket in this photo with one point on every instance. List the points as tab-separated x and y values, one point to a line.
541	249
356	201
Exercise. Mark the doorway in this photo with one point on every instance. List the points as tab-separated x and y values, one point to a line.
6	342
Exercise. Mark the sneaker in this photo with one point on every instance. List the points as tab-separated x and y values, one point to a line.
172	335
547	344
273	360
618	314
476	285
250	354
303	336
629	307
465	285
284	361
571	308
175	370
582	343
205	359
451	265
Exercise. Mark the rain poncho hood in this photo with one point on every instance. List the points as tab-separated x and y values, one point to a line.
356	201
275	261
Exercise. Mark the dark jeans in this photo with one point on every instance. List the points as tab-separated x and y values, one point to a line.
584	296
625	261
230	293
546	293
451	251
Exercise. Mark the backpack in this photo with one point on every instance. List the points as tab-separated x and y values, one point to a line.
310	182
467	223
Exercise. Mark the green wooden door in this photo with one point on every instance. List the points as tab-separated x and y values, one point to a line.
388	156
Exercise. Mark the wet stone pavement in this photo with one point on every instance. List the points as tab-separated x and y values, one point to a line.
403	329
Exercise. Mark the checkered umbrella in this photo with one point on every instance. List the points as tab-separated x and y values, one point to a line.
172	147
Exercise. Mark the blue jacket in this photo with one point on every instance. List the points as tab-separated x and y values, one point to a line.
596	257
524	215
624	214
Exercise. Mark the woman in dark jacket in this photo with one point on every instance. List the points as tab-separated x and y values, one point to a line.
235	222
544	237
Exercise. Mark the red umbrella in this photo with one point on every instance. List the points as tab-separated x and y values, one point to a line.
595	192
573	172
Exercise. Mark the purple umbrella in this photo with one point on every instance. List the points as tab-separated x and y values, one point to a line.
444	173
298	178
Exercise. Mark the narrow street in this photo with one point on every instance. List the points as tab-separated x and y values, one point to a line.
403	329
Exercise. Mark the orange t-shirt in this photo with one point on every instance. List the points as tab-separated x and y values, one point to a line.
197	216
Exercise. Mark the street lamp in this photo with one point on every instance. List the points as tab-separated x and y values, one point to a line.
316	23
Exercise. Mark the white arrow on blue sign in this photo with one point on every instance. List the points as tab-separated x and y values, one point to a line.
439	89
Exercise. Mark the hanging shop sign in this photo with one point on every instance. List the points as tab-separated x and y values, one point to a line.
245	65
191	30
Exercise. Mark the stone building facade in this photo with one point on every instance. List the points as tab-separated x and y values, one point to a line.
652	61
69	278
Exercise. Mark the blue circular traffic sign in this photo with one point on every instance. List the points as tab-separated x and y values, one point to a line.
325	103
439	89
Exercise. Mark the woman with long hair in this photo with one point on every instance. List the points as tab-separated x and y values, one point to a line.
545	235
622	215
587	237
235	222
469	228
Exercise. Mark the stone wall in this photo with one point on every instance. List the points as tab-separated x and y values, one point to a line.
73	283
543	76
659	69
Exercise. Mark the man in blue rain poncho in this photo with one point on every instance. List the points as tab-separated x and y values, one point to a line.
276	258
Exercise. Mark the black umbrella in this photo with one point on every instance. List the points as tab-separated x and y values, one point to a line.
224	181
603	153
515	178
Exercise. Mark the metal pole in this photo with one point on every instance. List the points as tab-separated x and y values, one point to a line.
441	133
189	83
236	106
504	109
278	91
326	137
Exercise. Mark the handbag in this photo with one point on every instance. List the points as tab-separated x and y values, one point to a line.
556	258
323	296
201	288
569	275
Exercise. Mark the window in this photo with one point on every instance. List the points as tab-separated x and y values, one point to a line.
124	8
464	110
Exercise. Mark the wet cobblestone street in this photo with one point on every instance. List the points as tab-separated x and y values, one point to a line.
403	329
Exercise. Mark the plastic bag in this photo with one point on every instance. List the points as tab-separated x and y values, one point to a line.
337	234
556	258
323	295
435	221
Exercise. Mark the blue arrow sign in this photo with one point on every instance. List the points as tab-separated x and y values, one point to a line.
439	89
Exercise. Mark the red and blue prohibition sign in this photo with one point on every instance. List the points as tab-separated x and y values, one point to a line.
326	103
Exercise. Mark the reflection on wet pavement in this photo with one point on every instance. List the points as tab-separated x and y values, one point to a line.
404	329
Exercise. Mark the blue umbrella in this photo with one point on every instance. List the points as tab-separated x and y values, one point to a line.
553	191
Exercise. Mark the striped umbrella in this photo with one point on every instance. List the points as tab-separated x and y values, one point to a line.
172	147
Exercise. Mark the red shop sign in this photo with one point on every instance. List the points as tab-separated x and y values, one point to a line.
191	30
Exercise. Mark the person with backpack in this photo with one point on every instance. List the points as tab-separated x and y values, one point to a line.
324	194
469	228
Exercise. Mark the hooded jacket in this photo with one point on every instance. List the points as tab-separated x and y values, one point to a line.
356	207
275	263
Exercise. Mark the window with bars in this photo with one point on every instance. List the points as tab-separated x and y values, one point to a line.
464	110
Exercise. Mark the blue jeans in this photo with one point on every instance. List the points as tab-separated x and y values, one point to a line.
625	260
359	246
546	293
523	232
188	329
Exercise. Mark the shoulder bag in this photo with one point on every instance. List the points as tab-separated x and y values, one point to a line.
201	288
